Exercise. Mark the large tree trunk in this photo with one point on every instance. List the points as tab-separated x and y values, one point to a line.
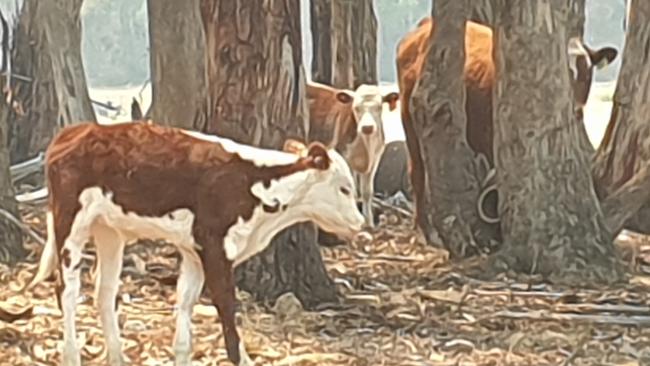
624	154
550	217
11	245
452	185
178	80
256	83
344	42
63	35
32	121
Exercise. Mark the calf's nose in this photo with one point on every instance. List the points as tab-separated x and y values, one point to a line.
367	130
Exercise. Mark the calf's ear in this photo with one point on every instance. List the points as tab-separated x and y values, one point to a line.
603	56
317	157
391	98
295	147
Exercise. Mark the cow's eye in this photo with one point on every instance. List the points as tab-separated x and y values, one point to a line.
345	191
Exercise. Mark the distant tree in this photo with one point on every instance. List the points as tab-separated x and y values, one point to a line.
344	36
178	80
621	166
550	216
47	50
256	85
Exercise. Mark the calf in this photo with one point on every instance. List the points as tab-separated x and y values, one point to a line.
351	122
217	201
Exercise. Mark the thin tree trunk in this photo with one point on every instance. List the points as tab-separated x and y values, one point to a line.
364	40
550	217
32	121
256	83
342	44
451	186
321	66
63	34
11	245
624	154
178	80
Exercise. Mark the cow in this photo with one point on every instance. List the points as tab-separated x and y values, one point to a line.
479	74
351	122
219	202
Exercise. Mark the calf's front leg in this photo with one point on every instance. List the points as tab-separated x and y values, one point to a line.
220	280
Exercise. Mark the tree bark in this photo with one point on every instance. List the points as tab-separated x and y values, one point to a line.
178	79
32	119
344	42
321	66
11	245
63	34
623	155
256	85
364	40
550	217
452	185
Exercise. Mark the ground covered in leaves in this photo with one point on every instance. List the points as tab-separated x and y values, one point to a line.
402	303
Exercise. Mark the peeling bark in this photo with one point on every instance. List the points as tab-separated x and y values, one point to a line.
62	27
550	217
11	244
256	86
321	66
364	40
178	79
32	120
451	186
624	154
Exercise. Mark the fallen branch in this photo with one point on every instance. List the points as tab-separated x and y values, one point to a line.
26	229
32	196
539	315
381	204
28	167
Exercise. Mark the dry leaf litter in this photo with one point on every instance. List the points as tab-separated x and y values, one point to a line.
402	303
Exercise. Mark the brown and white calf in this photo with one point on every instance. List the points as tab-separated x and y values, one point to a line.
217	201
351	122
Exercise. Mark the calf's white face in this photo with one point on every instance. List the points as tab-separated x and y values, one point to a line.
327	196
367	104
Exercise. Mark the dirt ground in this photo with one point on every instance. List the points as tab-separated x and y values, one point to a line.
402	303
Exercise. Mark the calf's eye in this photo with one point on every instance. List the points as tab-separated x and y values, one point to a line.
345	191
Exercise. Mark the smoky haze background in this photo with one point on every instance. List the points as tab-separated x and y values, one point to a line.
115	42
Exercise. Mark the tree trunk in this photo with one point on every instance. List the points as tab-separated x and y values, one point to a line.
321	65
624	155
364	41
63	35
178	80
11	245
550	217
32	120
344	42
438	116
256	84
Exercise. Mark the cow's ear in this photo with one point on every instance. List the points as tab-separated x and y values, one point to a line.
295	147
603	57
317	156
344	97
391	98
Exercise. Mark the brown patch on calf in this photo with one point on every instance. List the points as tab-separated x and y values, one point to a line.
65	257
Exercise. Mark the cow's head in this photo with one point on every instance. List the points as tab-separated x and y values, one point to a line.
327	195
582	62
367	105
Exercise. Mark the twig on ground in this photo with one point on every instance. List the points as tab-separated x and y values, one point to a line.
381	204
26	229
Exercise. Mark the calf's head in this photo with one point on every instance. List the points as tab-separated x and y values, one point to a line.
367	105
582	62
327	194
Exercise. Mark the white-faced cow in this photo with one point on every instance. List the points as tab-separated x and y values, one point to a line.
479	80
217	201
351	122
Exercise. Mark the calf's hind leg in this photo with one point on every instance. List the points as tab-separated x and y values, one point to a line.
188	290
